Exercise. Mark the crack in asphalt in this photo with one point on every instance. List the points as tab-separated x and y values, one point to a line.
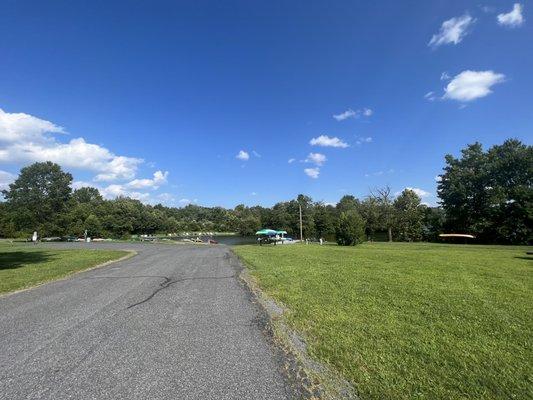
168	282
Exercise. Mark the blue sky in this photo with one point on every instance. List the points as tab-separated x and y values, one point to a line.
118	91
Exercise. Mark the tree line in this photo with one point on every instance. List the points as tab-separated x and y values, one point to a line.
485	193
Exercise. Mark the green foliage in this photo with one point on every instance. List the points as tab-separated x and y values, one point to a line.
38	198
409	216
350	229
490	194
409	321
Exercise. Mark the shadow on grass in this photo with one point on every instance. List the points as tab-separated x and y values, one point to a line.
525	257
16	259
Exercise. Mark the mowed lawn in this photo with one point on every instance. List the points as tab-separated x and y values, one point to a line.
26	265
410	321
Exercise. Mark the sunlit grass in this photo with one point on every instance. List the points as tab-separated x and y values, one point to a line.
404	321
23	266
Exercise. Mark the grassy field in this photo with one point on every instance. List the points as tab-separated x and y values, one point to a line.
26	265
410	321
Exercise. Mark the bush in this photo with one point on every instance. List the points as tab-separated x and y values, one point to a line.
350	229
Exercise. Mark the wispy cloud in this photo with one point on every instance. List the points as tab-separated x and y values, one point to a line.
316	158
349	113
430	96
326	141
363	140
513	18
379	173
256	154
472	85
243	155
312	172
452	31
291	160
345	115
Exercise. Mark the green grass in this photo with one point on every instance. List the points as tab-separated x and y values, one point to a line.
409	321
26	265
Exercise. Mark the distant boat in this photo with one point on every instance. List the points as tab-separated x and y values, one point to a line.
456	235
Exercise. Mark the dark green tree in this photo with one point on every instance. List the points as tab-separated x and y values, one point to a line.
490	194
409	214
38	199
350	229
371	212
324	220
348	203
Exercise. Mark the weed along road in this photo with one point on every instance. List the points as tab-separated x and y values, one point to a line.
173	322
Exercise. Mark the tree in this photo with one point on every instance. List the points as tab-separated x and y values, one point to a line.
348	203
490	194
383	199
371	213
350	229
93	226
324	219
462	190
87	195
38	198
409	216
432	223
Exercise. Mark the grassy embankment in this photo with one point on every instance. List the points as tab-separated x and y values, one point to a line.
26	265
405	321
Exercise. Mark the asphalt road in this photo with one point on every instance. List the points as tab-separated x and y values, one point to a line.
173	322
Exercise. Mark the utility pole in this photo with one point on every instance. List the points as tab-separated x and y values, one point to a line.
301	226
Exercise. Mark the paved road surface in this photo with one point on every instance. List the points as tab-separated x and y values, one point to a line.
172	322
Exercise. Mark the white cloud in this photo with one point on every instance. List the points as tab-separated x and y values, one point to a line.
18	127
349	113
471	85
253	194
444	76
256	154
159	179
363	140
28	139
326	141
316	158
243	155
131	189
115	190
291	160
345	115
312	172
513	18
438	178
452	31
5	179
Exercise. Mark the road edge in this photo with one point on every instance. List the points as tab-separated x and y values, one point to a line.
308	378
131	253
